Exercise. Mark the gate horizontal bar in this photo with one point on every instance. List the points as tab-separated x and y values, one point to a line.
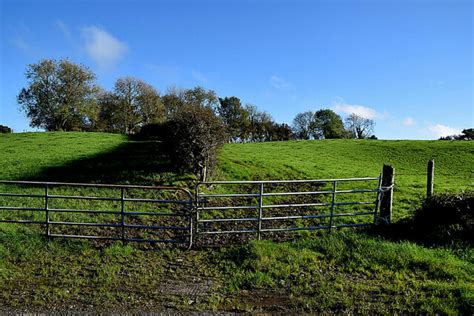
22	221
293	228
85	224
76	197
202	195
228	232
289	181
243	207
22	195
156	214
96	185
156	201
19	208
215	220
157	227
64	210
295	205
119	238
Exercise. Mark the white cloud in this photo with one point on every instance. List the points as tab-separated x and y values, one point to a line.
280	83
440	130
360	110
409	121
199	76
102	47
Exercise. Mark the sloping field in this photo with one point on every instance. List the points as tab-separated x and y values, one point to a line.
454	164
340	272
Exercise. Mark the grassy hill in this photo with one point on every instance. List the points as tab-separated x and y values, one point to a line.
347	271
112	158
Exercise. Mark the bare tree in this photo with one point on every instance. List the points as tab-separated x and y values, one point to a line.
359	127
303	125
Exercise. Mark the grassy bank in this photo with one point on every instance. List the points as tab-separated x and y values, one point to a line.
347	271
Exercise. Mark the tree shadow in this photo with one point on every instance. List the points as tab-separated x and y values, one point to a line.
142	162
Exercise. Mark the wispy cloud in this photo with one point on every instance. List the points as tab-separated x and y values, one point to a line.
409	121
22	45
64	29
280	83
440	130
199	76
341	106
102	47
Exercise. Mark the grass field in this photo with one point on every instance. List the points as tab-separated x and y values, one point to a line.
345	271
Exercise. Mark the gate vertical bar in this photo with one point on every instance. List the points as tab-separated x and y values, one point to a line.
46	209
260	211
190	210
334	185
430	178
197	209
122	214
377	199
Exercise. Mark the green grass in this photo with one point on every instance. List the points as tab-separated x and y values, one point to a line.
27	155
340	272
454	164
348	272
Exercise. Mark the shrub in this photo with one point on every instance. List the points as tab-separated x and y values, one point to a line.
5	129
446	218
192	138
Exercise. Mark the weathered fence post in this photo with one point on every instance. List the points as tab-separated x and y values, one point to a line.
430	178
388	173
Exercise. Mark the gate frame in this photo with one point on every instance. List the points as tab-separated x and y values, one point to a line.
188	205
260	207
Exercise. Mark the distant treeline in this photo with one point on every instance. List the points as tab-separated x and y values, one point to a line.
64	96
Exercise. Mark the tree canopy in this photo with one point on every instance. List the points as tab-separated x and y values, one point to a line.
60	96
327	124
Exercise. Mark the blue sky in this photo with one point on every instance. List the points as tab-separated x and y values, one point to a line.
406	64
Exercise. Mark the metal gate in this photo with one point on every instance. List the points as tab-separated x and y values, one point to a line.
166	214
229	207
100	211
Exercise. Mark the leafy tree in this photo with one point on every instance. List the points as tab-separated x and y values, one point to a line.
109	117
199	96
280	132
260	124
303	126
468	134
60	95
176	99
234	116
136	104
359	127
173	101
327	124
192	138
5	129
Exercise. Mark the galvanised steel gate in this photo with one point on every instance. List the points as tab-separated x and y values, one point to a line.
229	207
161	214
100	211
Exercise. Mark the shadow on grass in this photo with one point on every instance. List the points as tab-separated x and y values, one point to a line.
136	162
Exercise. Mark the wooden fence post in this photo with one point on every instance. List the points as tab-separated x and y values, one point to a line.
430	178
388	175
